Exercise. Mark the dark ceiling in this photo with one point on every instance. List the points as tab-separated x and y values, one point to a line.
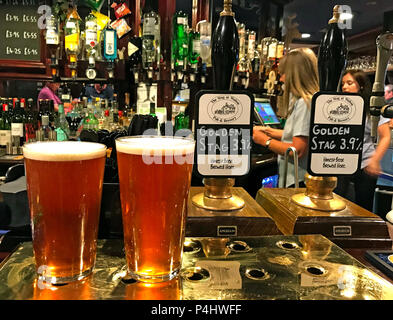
313	15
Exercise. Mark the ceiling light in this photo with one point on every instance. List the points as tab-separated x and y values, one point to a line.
306	35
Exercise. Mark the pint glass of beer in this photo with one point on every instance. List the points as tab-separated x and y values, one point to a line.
64	187
155	177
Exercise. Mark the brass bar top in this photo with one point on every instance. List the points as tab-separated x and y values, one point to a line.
304	267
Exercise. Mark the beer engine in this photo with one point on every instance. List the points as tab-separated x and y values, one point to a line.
218	195
219	207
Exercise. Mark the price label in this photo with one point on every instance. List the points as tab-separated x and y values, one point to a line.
19	30
223	133
336	134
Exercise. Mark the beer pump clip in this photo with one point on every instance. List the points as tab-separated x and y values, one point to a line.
377	100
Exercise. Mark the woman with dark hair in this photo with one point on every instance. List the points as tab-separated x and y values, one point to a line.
365	179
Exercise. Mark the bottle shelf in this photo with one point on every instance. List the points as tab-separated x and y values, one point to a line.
85	80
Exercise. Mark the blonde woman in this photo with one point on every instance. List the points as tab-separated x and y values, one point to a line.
299	73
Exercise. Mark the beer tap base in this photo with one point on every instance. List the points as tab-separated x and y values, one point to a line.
319	194
230	204
218	196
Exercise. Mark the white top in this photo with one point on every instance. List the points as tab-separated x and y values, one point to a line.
155	145
297	124
63	150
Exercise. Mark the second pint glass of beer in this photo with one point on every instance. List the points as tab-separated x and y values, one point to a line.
155	177
64	187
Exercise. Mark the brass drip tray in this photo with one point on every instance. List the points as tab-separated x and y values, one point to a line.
303	267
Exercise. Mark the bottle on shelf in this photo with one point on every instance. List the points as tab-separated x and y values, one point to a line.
182	121
205	31
110	48
72	39
194	51
91	45
179	43
225	49
150	42
46	128
17	123
332	55
5	127
61	124
74	118
30	122
127	111
90	121
52	43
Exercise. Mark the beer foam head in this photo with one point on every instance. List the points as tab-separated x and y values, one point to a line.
63	150
155	145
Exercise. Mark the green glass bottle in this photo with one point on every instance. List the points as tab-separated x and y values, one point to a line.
182	120
180	39
194	48
61	124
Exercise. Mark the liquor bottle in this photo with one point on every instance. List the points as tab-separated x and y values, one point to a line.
45	127
241	30
30	122
150	42
272	49
180	40
71	39
127	111
205	31
251	46
110	48
332	55
256	64
152	109
17	123
5	127
225	48
50	112
52	43
74	119
182	120
114	110
90	121
280	49
194	48
91	44
62	127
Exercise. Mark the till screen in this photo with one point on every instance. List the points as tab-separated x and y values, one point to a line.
266	112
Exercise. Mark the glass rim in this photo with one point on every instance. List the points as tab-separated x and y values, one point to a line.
46	153
190	139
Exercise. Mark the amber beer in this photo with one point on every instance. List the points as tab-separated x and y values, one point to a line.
64	187
155	177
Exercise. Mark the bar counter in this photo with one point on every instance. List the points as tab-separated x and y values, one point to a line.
306	267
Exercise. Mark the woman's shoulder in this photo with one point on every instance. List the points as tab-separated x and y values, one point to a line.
300	105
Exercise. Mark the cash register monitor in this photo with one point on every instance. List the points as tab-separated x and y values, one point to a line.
265	114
